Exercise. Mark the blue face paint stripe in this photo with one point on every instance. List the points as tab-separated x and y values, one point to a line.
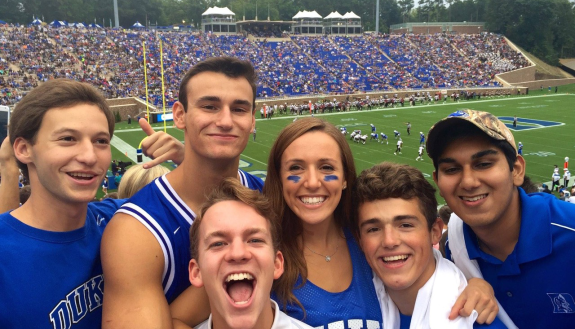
329	178
294	178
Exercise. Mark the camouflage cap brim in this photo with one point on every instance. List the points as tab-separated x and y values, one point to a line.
485	121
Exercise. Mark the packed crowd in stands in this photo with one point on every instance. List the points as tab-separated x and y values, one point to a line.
359	103
112	60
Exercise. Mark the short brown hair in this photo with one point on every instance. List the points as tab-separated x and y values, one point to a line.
230	189
295	265
229	66
392	180
445	213
27	117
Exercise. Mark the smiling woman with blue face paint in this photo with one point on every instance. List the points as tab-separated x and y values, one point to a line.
309	169
315	160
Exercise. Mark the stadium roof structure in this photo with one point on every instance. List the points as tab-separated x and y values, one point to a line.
218	11
306	14
334	15
351	15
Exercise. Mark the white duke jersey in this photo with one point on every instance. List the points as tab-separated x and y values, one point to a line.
161	210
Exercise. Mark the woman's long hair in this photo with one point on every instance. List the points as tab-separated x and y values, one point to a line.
291	226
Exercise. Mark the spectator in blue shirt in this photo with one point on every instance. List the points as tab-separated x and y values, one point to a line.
520	243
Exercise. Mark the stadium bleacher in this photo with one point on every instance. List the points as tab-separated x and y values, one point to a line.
112	60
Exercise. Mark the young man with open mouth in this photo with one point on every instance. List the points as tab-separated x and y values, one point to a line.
234	246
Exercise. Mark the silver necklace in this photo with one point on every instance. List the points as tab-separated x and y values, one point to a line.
327	257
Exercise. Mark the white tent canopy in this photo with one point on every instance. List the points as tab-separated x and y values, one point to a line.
314	14
58	23
138	24
333	15
350	15
218	11
306	14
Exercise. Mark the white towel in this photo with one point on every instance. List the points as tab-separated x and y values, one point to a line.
434	300
469	267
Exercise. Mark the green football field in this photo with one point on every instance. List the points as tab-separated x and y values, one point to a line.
545	128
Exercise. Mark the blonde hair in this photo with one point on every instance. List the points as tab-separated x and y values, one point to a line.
137	177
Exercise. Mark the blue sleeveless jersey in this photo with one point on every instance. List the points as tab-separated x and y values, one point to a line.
53	279
355	307
161	210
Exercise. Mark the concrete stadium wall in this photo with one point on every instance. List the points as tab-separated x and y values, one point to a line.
516	76
427	29
545	83
129	106
466	29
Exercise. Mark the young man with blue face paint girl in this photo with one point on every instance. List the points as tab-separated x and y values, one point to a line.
327	280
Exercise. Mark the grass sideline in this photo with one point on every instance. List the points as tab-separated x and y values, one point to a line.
544	146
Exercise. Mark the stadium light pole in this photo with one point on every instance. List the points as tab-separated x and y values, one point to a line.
116	19
376	17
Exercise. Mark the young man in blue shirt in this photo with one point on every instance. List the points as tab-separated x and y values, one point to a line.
520	243
51	273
